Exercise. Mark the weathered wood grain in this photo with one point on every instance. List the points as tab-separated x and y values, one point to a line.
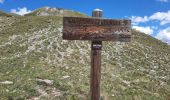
95	29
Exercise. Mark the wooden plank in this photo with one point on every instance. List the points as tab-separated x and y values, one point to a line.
77	28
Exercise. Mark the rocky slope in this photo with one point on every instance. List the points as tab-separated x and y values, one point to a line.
35	63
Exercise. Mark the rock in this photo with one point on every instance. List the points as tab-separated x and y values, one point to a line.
45	81
126	82
64	77
6	82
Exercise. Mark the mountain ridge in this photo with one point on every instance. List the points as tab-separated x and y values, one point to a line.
49	11
2	13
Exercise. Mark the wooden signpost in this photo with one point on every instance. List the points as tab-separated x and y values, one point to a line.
96	30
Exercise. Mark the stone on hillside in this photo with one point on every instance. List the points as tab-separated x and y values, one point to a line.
64	77
45	81
6	82
126	82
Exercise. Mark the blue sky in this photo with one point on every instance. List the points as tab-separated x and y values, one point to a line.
149	16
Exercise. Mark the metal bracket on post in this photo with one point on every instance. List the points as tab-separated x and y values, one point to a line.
96	45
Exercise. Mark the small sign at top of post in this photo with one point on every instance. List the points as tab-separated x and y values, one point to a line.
96	30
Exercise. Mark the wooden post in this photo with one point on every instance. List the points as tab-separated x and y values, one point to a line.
96	47
96	30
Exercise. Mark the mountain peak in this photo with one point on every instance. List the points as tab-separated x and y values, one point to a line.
53	11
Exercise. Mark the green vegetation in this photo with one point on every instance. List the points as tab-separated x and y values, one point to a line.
32	49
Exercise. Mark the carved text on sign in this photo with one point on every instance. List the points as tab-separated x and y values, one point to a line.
75	28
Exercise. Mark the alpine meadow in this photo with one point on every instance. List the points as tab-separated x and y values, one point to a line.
37	64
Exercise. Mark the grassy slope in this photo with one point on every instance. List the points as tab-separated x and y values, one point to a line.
32	48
